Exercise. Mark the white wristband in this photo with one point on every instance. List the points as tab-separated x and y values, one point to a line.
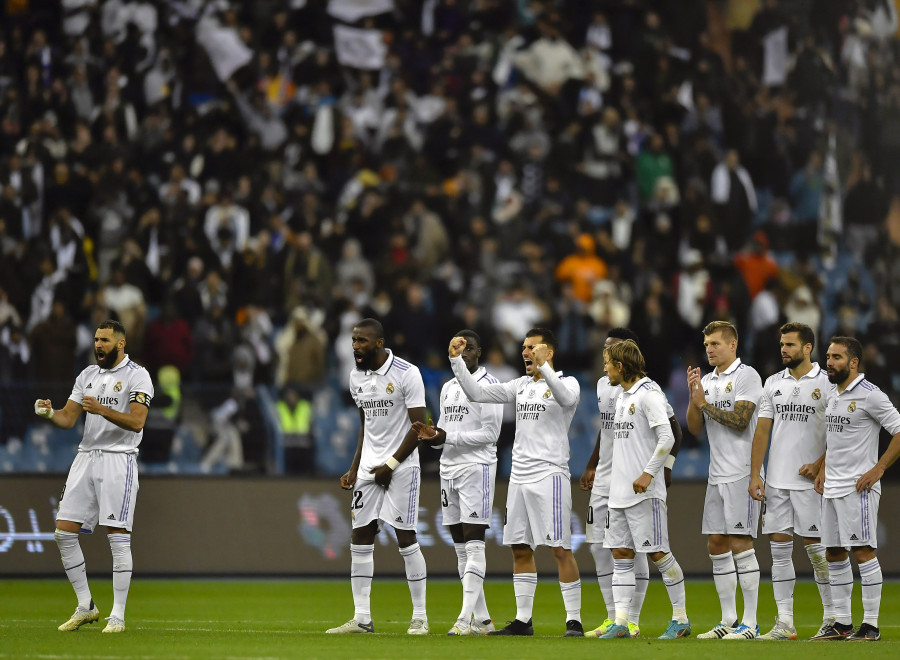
392	463
43	412
670	461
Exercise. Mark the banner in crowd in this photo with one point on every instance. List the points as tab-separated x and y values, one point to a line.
283	527
351	11
361	49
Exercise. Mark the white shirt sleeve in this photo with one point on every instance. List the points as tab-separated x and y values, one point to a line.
881	409
748	385
413	388
654	403
475	391
566	392
664	443
766	409
77	394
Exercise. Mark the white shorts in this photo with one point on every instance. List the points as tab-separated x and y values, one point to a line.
469	497
850	521
597	518
539	513
101	488
398	504
729	509
642	527
792	512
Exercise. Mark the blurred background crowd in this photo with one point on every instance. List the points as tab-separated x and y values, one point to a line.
239	182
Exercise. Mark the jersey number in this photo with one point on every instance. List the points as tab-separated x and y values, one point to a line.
357	499
444	501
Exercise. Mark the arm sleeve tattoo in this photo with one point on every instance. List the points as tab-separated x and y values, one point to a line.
736	419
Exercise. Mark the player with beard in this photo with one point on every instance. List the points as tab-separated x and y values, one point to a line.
792	408
855	413
390	395
115	393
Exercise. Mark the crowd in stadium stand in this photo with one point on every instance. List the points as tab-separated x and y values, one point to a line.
238	183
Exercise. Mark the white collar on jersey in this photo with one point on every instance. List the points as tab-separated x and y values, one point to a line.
812	373
383	369
734	365
856	381
117	367
637	384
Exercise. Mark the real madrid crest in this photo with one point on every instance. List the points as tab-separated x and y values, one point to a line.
631	409
390	388
852	406
817	394
728	388
547	393
118	387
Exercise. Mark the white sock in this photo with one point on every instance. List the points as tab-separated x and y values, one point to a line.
73	564
524	584
783	580
462	558
571	593
362	567
871	578
120	546
816	552
604	560
748	575
673	578
416	575
623	588
641	582
841	578
725	578
473	579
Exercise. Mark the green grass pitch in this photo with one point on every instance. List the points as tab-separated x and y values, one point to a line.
285	619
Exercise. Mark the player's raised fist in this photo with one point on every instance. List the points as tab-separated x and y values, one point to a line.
457	344
540	353
43	408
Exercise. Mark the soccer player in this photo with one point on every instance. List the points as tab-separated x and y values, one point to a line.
539	501
468	433
792	408
596	478
102	485
856	411
637	516
730	515
390	395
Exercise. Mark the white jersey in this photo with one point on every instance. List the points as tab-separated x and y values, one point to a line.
606	404
853	420
472	428
639	410
544	411
384	396
115	388
797	410
729	450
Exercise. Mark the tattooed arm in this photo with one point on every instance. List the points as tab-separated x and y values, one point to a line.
736	419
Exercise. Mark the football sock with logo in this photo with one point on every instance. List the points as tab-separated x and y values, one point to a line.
524	585
641	582
604	561
870	575
473	579
623	588
748	575
841	577
362	567
673	578
571	593
73	564
783	580
816	552
120	546
416	575
725	579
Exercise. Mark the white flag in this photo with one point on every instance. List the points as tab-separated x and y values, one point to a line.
351	11
227	53
775	59
361	49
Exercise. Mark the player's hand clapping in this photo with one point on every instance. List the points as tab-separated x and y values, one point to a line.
698	398
429	434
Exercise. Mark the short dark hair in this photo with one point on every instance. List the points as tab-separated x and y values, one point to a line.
806	334
470	334
546	334
727	329
852	344
372	324
623	334
115	326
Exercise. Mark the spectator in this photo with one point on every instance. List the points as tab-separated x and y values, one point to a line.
301	352
582	269
756	264
168	341
732	192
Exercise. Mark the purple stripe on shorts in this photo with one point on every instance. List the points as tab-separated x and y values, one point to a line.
128	476
864	510
486	487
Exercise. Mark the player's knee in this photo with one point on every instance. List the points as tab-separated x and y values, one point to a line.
741	543
522	552
473	532
406	537
835	554
864	553
623	553
718	544
364	535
